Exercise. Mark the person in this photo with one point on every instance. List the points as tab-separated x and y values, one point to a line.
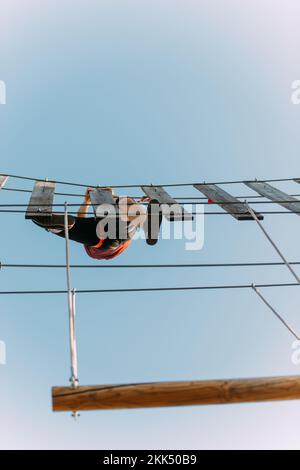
103	237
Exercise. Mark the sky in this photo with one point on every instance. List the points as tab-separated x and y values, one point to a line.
128	92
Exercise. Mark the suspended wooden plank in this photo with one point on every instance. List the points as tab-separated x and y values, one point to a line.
274	194
41	200
101	197
163	394
229	203
3	180
158	194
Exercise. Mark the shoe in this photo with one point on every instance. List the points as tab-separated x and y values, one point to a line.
153	223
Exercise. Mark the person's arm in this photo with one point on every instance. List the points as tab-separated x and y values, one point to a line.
84	208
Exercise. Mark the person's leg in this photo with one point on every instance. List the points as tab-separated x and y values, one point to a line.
153	222
55	221
81	230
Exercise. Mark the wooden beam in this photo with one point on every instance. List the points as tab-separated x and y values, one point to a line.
41	200
3	180
159	194
274	194
163	394
229	203
101	197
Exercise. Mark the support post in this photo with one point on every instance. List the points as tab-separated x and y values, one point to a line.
71	305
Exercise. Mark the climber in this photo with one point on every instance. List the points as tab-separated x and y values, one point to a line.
102	237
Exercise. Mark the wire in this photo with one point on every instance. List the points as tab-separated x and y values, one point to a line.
133	203
29	191
280	318
278	251
149	184
150	289
6	211
146	266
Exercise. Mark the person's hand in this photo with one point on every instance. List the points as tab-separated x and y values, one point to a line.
87	193
107	189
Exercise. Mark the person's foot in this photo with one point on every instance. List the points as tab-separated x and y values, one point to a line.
153	223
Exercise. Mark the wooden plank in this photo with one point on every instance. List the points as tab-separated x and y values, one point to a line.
101	197
274	194
229	203
41	200
160	195
163	394
3	180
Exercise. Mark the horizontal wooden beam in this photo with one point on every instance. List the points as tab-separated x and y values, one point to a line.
163	394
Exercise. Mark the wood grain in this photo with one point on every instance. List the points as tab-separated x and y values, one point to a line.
163	394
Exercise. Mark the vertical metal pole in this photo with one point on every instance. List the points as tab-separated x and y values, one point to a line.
273	243
71	304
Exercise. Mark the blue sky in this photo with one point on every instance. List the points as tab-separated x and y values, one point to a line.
128	92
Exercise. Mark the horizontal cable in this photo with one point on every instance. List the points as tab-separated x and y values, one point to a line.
149	289
137	266
133	203
12	211
148	184
29	191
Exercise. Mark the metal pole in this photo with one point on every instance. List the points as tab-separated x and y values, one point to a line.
71	304
273	243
